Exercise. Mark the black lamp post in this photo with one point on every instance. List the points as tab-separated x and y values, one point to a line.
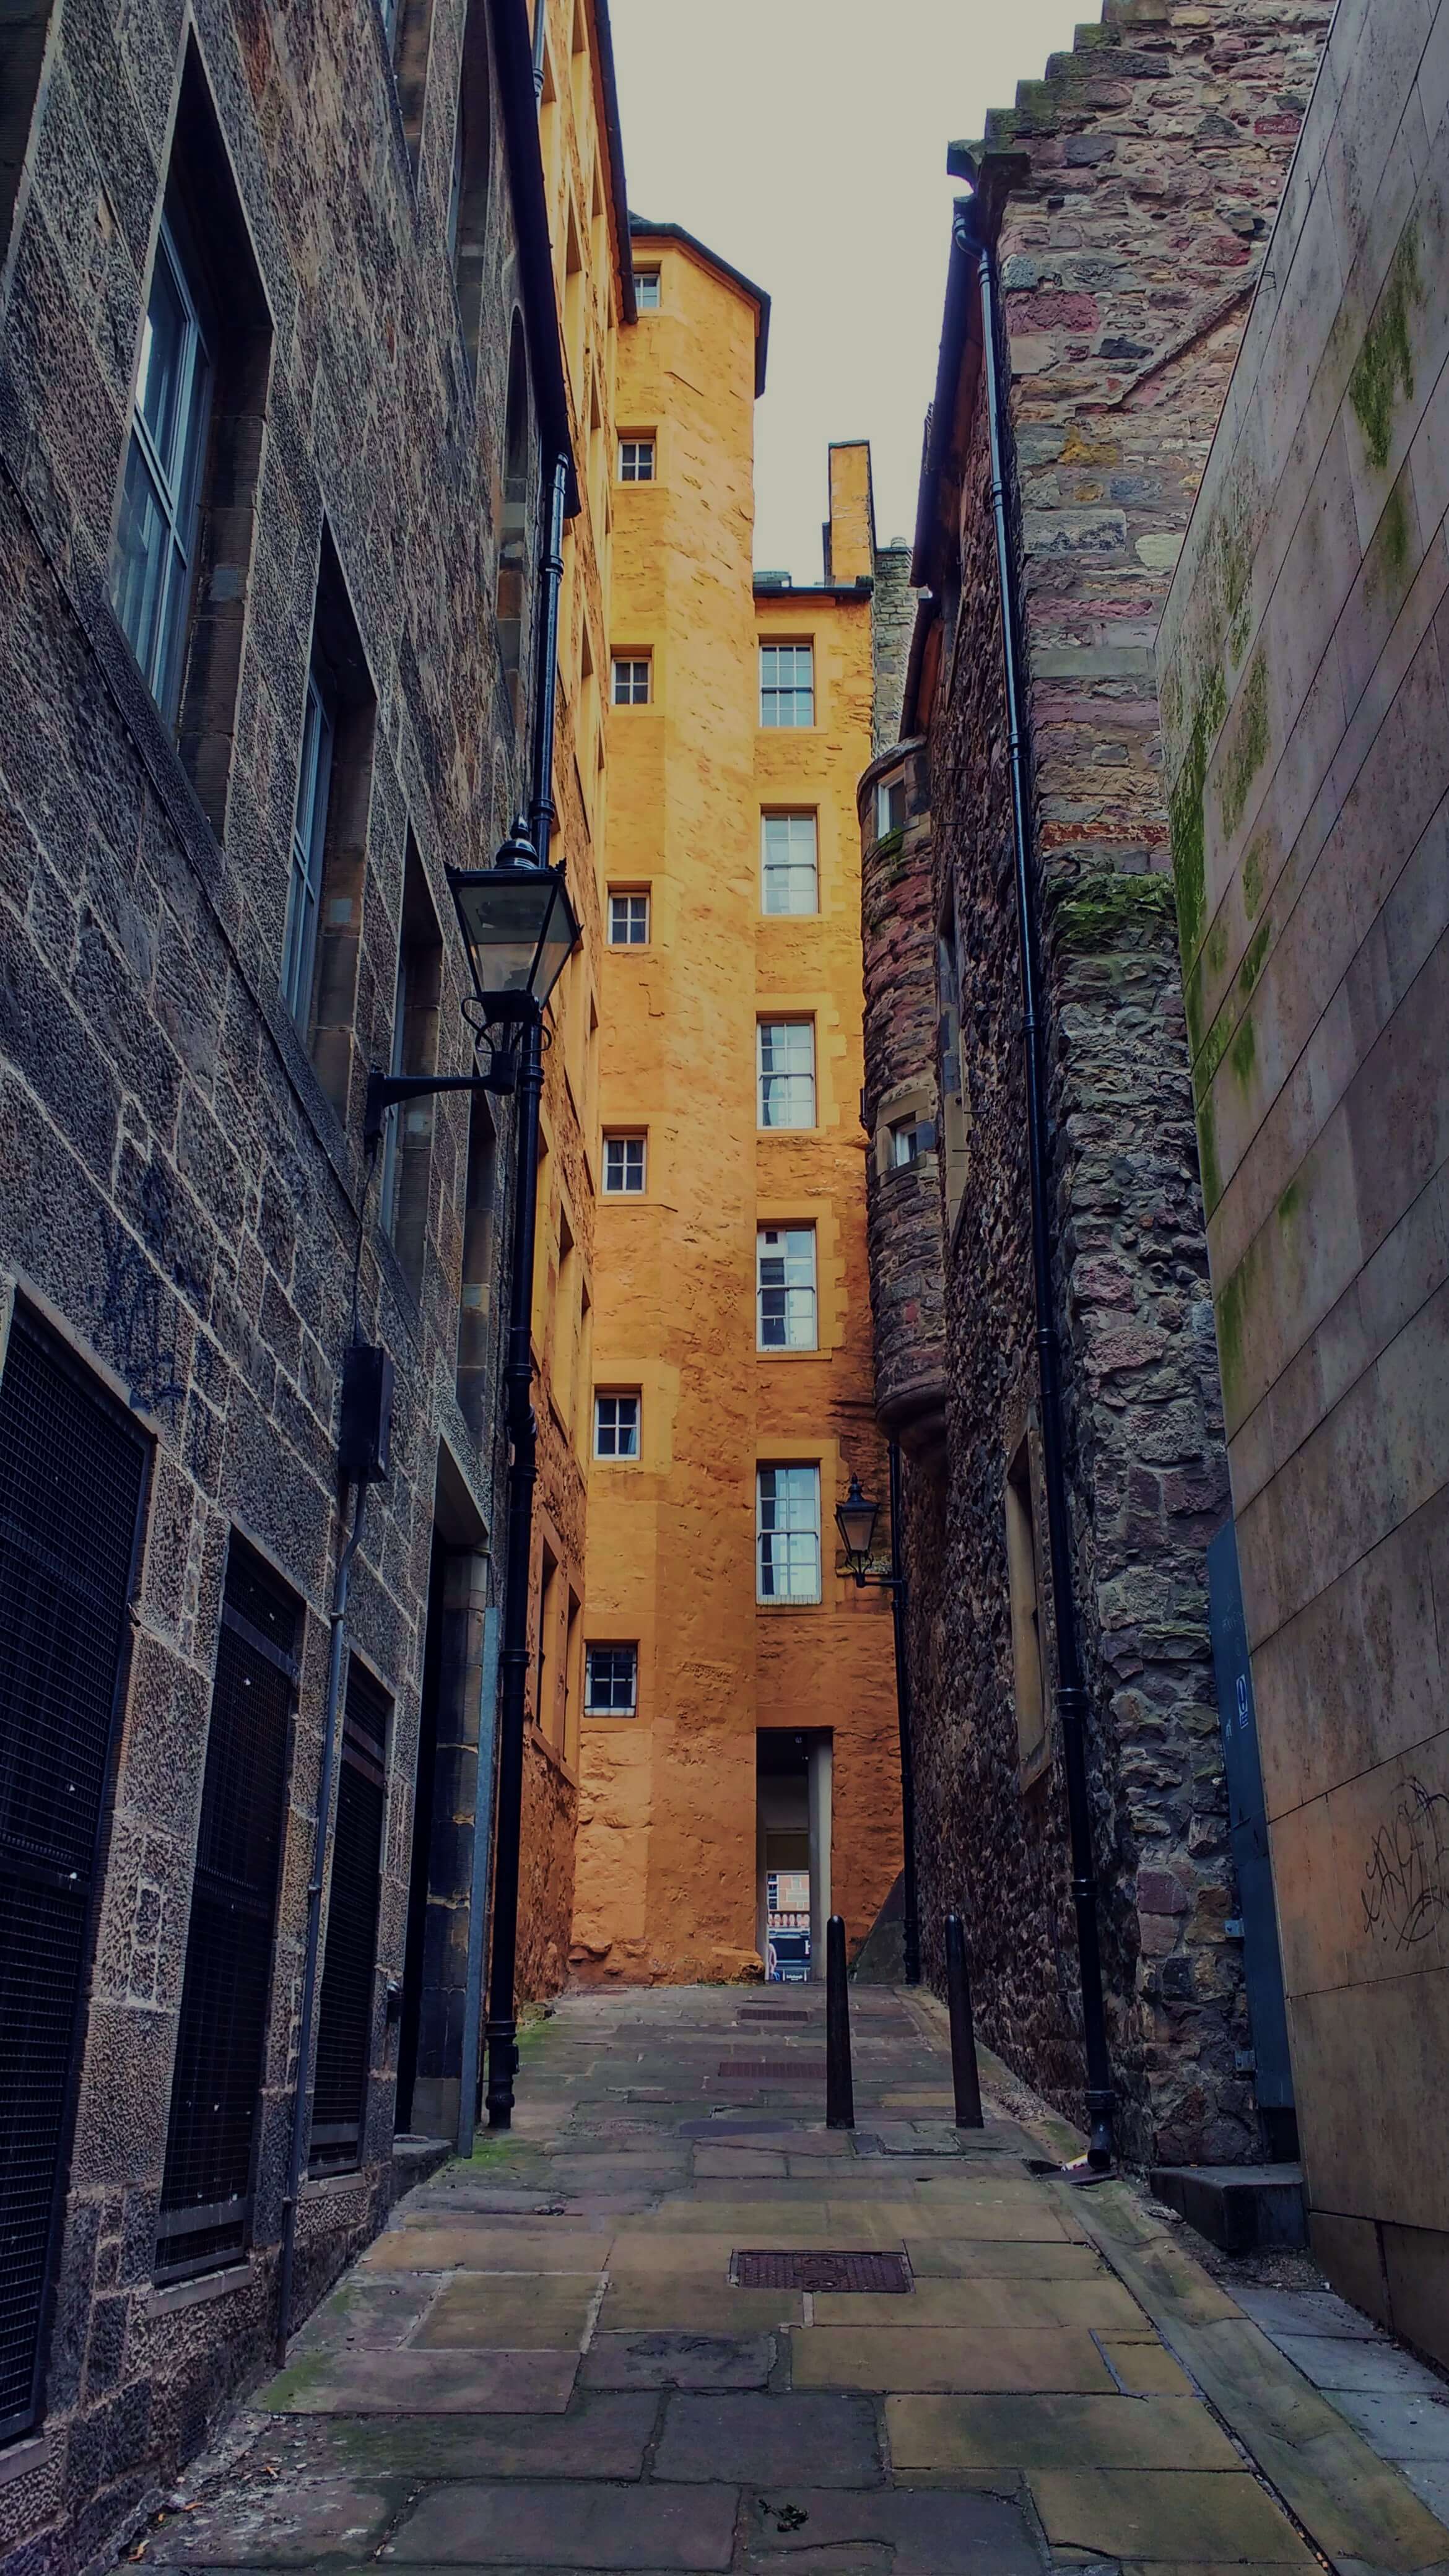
855	1519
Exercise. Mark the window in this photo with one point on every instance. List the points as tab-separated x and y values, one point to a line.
636	460
611	1681
789	873
216	2088
407	26
154	560
468	200
628	921
1021	1577
646	289
477	1323
787	1073
890	807
631	681
346	2004
73	1476
955	1105
787	1533
408	1141
309	832
785	1287
616	1426
787	684
513	535
905	1143
623	1167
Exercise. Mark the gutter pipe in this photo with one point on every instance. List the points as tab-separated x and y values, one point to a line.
1071	1693
302	2094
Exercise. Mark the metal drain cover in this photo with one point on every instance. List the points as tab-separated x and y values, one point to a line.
770	2013
808	2270
772	2070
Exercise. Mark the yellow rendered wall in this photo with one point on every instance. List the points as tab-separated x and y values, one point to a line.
666	1871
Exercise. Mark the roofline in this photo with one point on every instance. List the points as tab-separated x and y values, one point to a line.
618	188
641	230
513	48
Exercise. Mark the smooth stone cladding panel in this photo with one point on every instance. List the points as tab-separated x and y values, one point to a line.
1306	721
1136	184
176	1188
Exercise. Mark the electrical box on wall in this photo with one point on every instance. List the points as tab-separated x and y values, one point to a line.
365	1437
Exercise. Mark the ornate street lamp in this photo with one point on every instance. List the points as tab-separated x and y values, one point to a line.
855	1519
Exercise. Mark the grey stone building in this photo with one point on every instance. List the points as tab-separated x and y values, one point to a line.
1306	732
1126	202
279	368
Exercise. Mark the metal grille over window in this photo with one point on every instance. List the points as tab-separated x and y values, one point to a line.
787	684
789	871
72	1480
787	1073
345	2012
785	1267
611	1681
206	2192
788	1533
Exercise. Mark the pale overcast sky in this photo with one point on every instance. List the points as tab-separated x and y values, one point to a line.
805	141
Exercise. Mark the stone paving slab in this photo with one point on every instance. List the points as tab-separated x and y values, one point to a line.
1182	2516
292	2522
431	2248
511	2311
985	2258
1370	2369
1400	2425
1144	2367
585	2526
424	2383
758	2439
669	2359
929	2358
686	2299
946	2434
1100	2302
1307	2312
601	2434
886	2533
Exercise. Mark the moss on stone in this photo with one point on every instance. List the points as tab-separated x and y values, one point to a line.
1210	1055
1384	368
1215	947
1107	908
1394	532
1207	1156
890	843
1185	814
1192	1004
1289	1203
1243	1053
1253	956
1248	749
1232	1319
1255	875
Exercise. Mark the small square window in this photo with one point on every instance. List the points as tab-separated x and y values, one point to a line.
616	1426
789	867
646	289
628	920
787	684
623	1167
631	681
785	1288
611	1681
636	460
787	1073
905	1143
890	807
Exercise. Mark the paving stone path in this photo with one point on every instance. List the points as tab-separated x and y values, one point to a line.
546	2363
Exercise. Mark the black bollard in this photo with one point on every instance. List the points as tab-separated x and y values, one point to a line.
964	2076
839	2090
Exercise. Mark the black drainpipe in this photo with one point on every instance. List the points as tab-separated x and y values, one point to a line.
1071	1695
539	13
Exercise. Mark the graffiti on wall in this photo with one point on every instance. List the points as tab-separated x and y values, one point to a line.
1407	1870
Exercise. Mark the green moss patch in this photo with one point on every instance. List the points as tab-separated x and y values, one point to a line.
1207	1156
1384	369
1249	747
1253	956
1243	1053
1185	814
1108	910
1233	1316
1255	875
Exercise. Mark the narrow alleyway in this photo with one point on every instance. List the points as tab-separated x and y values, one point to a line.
550	2360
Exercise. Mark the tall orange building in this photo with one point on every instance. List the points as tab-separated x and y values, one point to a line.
738	1718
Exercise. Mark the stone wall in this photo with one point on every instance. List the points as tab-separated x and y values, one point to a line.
892	617
1307	748
181	1198
1131	192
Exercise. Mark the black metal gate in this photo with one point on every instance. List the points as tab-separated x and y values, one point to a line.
345	2012
206	2194
73	1471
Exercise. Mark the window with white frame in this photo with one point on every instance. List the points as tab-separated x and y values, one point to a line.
905	1143
636	460
789	867
890	806
631	680
787	684
646	289
787	1533
628	920
153	562
623	1167
785	1288
787	1073
309	835
616	1426
611	1681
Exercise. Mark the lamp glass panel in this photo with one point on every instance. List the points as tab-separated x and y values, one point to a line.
503	912
856	1524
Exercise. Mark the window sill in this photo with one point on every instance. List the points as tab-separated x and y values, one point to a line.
796	1356
172	2300
21	2459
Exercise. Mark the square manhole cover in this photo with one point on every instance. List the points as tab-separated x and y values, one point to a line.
770	2013
808	2270
772	2070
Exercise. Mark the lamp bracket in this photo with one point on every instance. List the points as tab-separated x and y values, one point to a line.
384	1090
